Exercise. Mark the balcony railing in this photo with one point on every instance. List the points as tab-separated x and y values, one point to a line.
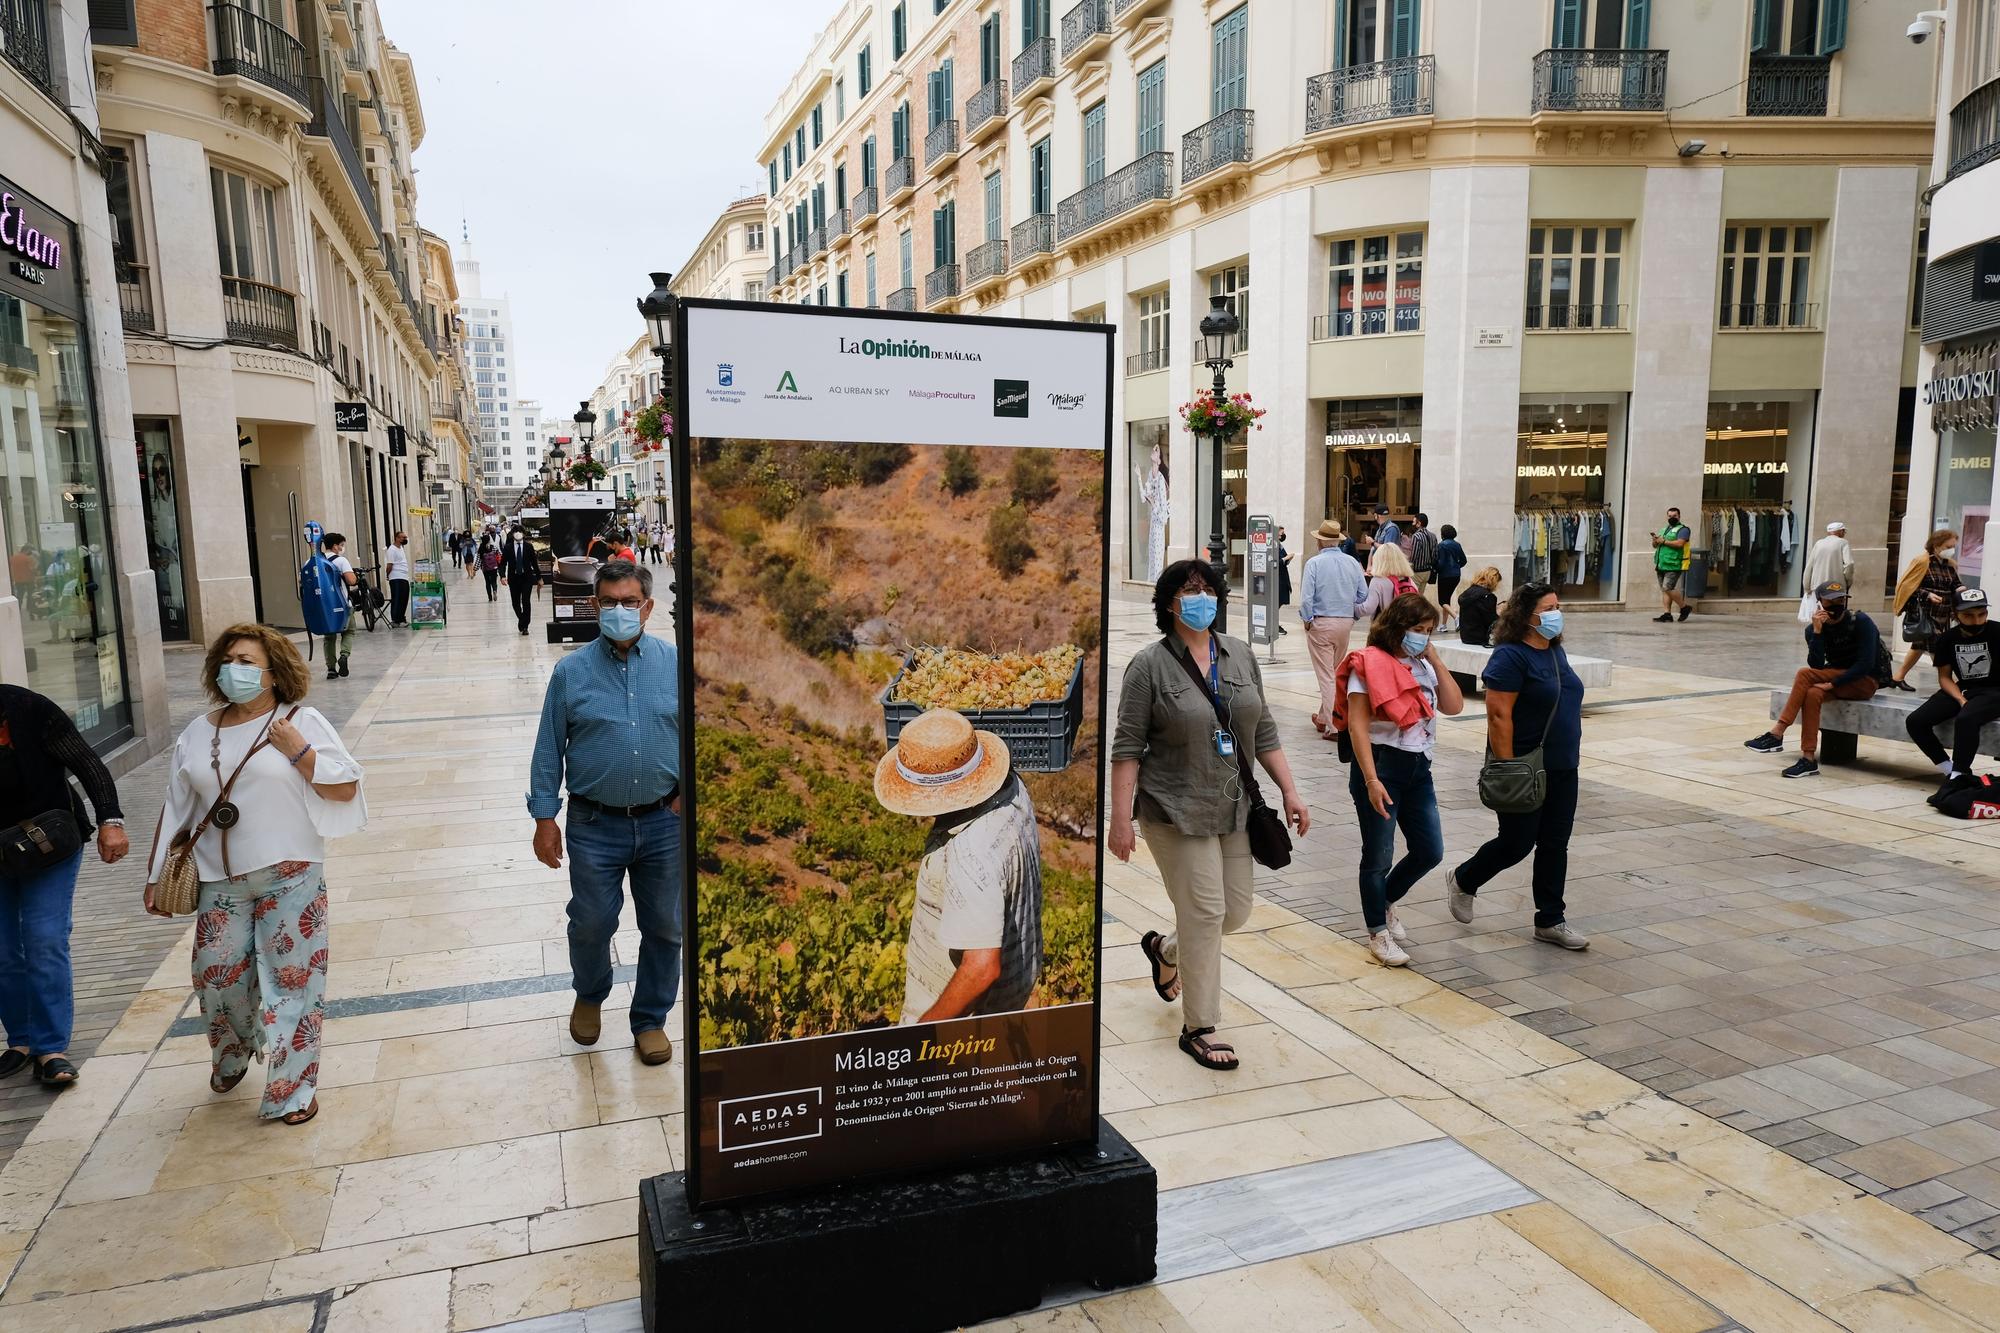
941	144
1085	28
1130	11
838	224
1222	141
1975	129
256	312
899	178
24	40
1569	318
1036	63
1794	315
1368	323
1036	236
1579	79
1789	85
1148	179
1362	94
816	241
135	297
327	123
940	284
257	49
864	206
986	108
772	277
986	262
1140	363
903	298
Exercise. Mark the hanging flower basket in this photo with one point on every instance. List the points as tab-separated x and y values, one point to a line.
584	471
653	424
1226	417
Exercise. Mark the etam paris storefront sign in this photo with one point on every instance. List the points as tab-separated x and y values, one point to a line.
37	259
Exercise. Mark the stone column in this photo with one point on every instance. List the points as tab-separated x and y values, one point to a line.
1288	457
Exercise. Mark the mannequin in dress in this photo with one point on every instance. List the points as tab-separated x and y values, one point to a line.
1153	490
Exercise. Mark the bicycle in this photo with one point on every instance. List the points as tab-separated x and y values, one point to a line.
367	598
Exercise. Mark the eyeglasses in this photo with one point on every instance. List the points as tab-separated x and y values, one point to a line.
634	602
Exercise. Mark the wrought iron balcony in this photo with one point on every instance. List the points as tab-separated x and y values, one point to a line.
1139	363
1789	85
1794	315
327	123
839	224
1148	179
1222	141
1035	68
24	41
772	277
1579	79
1975	129
940	284
986	110
1036	236
1363	94
1129	12
899	179
816	241
135	297
252	47
256	312
1573	317
864	206
941	145
903	298
1085	29
986	263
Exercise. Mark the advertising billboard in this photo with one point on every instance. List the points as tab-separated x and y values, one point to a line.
894	550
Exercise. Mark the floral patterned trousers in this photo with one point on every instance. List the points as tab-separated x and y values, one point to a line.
260	953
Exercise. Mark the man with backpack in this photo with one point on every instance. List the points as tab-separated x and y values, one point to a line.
1845	659
1968	694
339	642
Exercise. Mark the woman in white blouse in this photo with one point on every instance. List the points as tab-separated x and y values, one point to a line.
260	942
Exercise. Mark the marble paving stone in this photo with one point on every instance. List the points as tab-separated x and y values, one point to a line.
428	1252
442	1191
1292	1140
540	1284
1661	1303
420	1301
1480	1271
608	1161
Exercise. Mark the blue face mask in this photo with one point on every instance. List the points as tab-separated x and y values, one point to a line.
1549	624
239	682
1415	643
1198	610
619	623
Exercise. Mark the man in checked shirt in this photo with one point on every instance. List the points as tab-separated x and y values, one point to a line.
611	731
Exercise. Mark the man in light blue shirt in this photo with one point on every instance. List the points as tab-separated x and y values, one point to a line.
1332	586
1386	531
611	728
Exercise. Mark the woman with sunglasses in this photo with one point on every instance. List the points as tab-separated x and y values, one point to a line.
1532	699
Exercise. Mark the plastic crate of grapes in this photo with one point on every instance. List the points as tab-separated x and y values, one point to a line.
1040	736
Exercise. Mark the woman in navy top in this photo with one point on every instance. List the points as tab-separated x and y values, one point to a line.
1528	679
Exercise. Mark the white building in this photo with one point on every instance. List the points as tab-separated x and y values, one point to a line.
1571	262
504	420
1959	372
730	262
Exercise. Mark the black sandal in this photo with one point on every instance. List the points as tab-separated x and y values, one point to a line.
221	1086
55	1072
1149	944
13	1062
300	1117
1209	1054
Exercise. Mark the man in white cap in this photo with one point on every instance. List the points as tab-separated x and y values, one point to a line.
1831	560
976	930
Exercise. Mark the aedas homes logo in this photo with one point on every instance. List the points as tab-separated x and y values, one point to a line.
774	1117
1010	398
788	390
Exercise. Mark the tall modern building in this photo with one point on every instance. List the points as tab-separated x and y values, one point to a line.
504	421
1539	268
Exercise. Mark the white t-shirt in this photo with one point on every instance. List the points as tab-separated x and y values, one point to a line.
1420	739
396	563
344	567
282	817
979	886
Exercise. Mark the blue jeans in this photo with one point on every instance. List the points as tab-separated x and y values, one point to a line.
1413	808
603	849
37	1006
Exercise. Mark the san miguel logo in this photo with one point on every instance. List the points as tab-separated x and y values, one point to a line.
24	239
774	1117
1010	398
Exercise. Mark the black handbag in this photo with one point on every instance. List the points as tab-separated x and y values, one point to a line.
35	845
1518	786
1270	841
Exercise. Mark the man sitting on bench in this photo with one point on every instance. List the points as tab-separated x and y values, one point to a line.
1968	691
1845	659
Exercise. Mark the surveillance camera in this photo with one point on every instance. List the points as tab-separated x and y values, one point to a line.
1919	32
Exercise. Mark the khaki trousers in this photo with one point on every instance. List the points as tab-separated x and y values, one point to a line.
1326	641
1208	880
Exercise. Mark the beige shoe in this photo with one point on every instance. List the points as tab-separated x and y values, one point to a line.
1560	933
1386	951
1397	931
653	1046
586	1023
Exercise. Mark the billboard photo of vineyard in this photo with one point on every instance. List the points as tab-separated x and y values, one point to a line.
896	733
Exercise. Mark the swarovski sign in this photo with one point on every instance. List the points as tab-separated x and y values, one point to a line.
1964	388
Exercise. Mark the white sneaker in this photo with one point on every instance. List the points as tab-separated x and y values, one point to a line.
1461	903
1387	952
1397	931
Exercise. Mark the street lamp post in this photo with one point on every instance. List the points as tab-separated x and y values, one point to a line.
1218	326
657	309
586	431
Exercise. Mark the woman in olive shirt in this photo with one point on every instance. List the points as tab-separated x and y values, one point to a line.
1173	760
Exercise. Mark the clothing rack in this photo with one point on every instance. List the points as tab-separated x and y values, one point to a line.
1749	545
1559	542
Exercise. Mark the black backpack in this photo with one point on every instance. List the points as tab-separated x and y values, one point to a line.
1978	799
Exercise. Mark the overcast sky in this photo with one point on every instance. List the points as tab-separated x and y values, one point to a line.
586	143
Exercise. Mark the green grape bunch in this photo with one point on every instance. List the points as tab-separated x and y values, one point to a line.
961	679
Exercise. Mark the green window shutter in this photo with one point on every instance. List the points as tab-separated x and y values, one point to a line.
774	176
1231	61
1568	32
946	71
1406	28
937	238
951	232
1342	57
1638	24
1760	27
114	22
1832	26
839	188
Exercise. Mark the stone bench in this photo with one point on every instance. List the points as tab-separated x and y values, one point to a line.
1842	722
1466	660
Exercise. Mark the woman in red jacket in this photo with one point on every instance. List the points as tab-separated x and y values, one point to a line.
1394	690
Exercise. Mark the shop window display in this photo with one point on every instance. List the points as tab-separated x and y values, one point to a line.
1962	399
1151	502
1568	468
1374	457
163	526
1758	454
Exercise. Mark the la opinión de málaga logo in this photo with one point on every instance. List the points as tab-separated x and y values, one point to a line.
907	348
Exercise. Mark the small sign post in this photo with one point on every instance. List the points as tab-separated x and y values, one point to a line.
1265	564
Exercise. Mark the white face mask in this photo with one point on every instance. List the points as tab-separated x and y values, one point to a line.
1949	553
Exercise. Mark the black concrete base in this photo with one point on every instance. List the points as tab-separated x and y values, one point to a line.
1838	747
935	1251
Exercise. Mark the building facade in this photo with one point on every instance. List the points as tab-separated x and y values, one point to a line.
457	484
78	619
505	422
1959	375
730	262
1539	276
